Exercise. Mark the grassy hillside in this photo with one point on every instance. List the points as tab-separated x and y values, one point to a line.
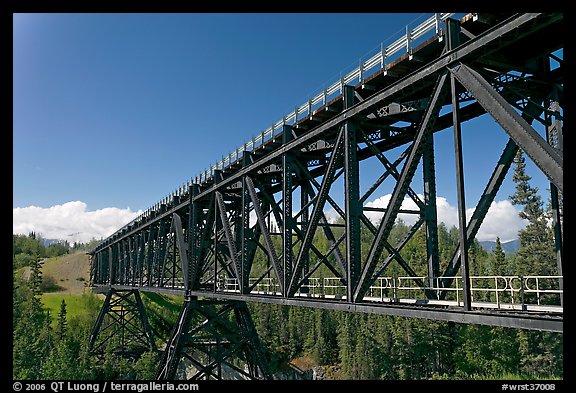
85	306
71	272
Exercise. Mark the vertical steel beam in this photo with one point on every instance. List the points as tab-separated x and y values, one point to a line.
461	197
135	253
304	219
452	33
245	231
132	253
554	138
353	206
141	256
128	269
121	262
160	254
193	239
150	254
206	228
430	211
217	227
111	264
287	226
557	222
531	112
228	232
425	127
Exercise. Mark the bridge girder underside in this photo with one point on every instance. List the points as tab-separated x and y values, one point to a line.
122	326
213	339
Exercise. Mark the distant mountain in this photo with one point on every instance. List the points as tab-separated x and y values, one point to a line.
509	247
47	242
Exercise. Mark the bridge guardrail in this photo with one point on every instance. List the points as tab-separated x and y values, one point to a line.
500	290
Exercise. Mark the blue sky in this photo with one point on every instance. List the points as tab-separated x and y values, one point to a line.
117	110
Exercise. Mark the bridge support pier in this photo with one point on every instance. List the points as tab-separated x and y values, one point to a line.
122	325
213	339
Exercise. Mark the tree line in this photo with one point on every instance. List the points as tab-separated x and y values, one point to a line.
368	346
346	345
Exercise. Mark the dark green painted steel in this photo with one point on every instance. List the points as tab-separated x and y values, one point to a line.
206	240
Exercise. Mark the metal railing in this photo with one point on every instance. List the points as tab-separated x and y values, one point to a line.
377	61
487	291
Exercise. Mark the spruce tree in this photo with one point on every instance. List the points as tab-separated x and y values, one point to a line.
29	348
62	322
536	253
535	257
499	259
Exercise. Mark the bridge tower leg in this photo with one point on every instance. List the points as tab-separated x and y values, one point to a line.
213	340
123	325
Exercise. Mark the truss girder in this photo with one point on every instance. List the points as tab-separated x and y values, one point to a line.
256	222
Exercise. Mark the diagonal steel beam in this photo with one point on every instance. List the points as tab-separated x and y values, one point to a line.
391	169
482	207
182	248
207	231
394	252
548	159
385	175
227	232
265	233
317	211
408	170
398	247
276	210
326	228
324	260
306	173
323	220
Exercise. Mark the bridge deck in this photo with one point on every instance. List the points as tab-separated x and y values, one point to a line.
542	318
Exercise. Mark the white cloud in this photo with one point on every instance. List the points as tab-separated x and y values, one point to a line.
501	220
70	221
73	222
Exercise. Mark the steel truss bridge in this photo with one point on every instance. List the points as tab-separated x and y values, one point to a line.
247	228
